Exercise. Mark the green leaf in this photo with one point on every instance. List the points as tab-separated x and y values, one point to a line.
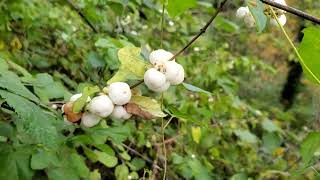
6	129
3	65
195	89
259	16
246	136
177	7
11	82
196	134
62	173
183	116
79	165
309	50
310	145
44	159
35	125
46	88
121	172
148	104
106	159
15	163
137	163
104	43
271	141
118	134
105	148
79	104
225	25
132	66
269	126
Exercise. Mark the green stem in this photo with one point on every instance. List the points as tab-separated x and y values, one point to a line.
162	24
293	46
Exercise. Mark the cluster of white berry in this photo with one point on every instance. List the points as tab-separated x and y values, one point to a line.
108	103
245	14
164	72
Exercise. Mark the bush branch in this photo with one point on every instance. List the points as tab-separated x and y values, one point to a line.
292	10
202	31
86	20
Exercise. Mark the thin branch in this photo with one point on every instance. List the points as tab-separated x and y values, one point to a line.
202	31
86	20
292	10
141	155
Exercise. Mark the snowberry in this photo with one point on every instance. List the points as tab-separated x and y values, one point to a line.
101	105
249	20
89	119
174	72
282	19
242	12
76	97
159	56
154	79
162	88
119	93
120	112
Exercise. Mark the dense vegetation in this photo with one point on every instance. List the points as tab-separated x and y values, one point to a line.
244	111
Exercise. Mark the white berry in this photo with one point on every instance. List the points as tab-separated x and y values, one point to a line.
154	79
120	112
101	105
119	93
242	12
89	119
249	20
282	20
76	97
159	56
174	72
162	88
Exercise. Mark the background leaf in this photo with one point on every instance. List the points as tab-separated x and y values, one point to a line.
309	50
177	7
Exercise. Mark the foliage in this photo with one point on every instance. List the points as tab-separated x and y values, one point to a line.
224	122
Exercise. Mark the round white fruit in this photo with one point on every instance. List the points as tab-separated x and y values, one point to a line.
174	72
282	20
101	106
159	56
76	97
242	12
249	20
154	79
120	112
89	119
162	88
119	93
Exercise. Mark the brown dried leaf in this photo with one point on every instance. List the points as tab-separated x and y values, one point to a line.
71	116
134	109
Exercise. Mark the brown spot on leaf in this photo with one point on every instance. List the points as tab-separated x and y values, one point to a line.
134	109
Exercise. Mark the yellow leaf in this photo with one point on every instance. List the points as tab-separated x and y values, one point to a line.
196	134
15	43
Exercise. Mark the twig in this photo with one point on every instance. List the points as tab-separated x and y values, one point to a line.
155	162
168	141
292	10
139	154
86	20
202	31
